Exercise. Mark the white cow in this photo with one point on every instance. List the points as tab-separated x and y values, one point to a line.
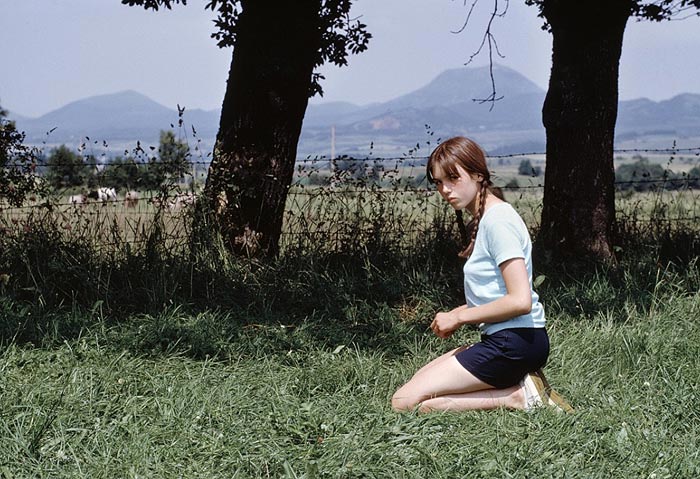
182	200
131	199
76	200
104	194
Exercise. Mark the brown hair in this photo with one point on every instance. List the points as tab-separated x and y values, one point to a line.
467	154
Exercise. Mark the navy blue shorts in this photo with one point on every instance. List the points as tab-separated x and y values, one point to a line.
503	358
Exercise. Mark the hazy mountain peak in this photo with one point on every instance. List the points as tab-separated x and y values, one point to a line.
445	104
686	100
119	100
465	84
125	114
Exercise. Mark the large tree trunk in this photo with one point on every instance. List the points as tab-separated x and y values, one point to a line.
579	115
266	97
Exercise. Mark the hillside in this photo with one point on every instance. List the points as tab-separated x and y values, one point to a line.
444	107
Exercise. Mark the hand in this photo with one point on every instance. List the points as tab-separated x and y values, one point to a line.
445	324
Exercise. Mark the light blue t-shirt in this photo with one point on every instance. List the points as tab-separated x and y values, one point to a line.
502	235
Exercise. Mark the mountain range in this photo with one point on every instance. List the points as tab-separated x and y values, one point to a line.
444	107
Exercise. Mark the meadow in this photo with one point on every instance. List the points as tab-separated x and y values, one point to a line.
128	356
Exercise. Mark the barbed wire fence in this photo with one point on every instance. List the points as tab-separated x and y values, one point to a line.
334	200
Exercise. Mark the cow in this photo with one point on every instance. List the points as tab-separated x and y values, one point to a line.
131	199
75	200
103	194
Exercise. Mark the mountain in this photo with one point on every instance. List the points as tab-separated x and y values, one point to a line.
126	115
444	107
12	116
452	91
680	114
512	125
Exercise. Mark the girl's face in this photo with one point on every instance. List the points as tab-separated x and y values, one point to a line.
461	190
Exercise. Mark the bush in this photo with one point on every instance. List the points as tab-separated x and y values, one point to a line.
66	169
645	176
526	169
18	163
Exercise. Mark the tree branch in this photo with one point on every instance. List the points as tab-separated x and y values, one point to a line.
487	39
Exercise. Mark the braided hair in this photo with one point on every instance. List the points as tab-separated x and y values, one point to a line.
467	154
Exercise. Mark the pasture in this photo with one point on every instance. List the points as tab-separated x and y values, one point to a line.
329	217
125	355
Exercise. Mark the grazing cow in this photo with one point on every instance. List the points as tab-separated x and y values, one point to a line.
103	194
174	203
76	200
107	194
182	200
131	199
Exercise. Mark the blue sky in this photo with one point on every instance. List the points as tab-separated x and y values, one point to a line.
55	52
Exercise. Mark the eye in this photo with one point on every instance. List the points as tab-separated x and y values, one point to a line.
454	177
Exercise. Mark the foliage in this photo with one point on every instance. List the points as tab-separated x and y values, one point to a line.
123	173
645	176
526	169
693	178
341	34
173	156
18	163
66	168
658	10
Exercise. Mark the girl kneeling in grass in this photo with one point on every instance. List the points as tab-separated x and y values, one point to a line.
503	369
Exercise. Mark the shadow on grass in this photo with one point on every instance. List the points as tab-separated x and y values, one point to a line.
207	303
211	304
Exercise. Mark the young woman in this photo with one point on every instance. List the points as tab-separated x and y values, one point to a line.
502	370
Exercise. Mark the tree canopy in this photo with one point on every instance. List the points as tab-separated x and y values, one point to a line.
644	10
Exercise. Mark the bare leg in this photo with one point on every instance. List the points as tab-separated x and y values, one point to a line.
440	359
486	399
444	385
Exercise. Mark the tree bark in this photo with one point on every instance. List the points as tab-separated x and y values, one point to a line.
579	115
266	97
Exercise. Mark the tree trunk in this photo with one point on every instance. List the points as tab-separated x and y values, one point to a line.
266	97
579	116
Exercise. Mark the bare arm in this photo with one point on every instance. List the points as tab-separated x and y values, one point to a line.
516	301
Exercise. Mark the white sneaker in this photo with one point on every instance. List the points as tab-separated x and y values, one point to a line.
533	394
539	393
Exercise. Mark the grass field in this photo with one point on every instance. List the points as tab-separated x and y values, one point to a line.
333	216
142	398
288	371
148	361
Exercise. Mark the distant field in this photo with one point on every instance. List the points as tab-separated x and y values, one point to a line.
335	215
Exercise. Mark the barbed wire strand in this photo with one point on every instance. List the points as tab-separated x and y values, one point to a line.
322	159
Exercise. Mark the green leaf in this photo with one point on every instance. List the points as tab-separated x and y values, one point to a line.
538	281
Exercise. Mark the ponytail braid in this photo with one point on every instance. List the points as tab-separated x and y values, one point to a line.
474	223
462	227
